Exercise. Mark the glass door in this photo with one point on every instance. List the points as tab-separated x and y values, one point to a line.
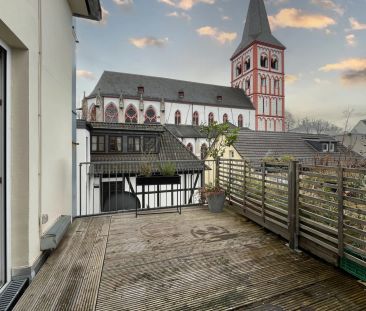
2	192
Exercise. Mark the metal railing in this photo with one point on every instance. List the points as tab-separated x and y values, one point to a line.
113	187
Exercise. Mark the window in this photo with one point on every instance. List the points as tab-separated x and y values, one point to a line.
211	118
247	85
238	69
274	63
264	61
111	113
332	147
98	144
240	120
131	114
115	144
93	113
195	118
150	144
190	147
264	84
225	118
150	115
178	118
325	147
247	63
276	86
204	150
133	144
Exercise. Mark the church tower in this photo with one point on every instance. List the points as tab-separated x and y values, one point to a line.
258	67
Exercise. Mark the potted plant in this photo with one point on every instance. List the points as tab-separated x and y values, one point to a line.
167	175
220	137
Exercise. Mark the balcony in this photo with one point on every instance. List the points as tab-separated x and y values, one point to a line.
196	260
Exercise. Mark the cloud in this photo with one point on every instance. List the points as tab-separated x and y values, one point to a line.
296	18
353	64
124	3
185	4
356	25
330	5
182	15
321	81
277	2
226	18
291	79
85	74
351	40
148	41
354	77
216	34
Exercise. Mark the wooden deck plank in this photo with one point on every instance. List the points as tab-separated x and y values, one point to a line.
194	261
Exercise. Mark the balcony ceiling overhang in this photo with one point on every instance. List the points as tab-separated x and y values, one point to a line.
89	9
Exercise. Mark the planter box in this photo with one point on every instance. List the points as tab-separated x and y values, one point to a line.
353	267
156	180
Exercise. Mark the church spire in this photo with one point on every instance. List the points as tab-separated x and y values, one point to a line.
257	28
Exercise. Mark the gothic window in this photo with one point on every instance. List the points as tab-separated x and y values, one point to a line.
238	69
131	114
211	118
190	147
93	113
178	118
195	118
247	63
274	63
276	87
263	84
225	118
111	113
150	115
240	120
247	85
264	61
204	150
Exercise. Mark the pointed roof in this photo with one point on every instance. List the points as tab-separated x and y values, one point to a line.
257	28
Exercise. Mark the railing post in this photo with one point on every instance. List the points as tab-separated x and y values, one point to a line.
230	180
244	183
340	211
263	191
217	173
292	205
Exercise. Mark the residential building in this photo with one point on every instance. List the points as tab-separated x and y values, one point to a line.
356	139
37	61
258	67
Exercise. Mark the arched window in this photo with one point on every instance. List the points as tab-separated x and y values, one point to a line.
131	114
276	87
111	113
264	60
240	120
247	64
238	69
247	85
211	118
178	118
225	118
190	147
195	118
204	150
274	63
150	115
93	113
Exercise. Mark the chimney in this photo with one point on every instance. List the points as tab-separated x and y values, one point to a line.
140	90
181	94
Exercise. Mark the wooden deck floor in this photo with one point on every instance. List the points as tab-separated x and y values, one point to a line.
193	261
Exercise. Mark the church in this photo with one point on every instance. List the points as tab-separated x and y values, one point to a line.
255	98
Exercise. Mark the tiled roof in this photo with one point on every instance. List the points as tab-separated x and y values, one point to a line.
156	88
255	146
257	28
185	131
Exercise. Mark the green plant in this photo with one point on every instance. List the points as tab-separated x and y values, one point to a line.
146	169
168	169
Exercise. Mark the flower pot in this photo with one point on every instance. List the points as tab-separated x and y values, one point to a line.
216	202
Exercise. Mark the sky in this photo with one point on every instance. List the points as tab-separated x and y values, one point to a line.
193	40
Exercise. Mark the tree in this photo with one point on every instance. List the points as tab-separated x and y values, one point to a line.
290	121
317	126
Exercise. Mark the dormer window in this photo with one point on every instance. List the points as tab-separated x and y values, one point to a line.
332	147
140	90
239	69
264	61
219	98
247	64
274	63
325	147
181	94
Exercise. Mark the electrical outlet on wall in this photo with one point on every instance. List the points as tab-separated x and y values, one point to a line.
44	219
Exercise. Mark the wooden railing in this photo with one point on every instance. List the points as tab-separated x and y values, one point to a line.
320	209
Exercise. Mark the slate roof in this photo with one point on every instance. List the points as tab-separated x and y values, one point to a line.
257	28
156	88
171	149
254	146
185	131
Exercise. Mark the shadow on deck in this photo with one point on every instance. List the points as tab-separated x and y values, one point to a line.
193	261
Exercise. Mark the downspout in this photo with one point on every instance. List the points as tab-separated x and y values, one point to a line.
40	117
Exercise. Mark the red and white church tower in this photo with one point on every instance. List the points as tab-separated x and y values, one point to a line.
258	67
